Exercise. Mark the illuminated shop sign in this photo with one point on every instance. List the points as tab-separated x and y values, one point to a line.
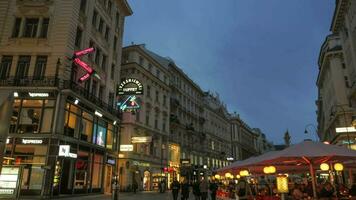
142	164
38	94
64	150
345	129
77	61
9	178
146	139
126	147
130	86
130	104
31	141
111	161
185	162
230	159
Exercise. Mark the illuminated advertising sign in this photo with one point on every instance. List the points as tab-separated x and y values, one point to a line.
9	178
130	86
146	139
64	150
31	141
126	147
77	61
130	104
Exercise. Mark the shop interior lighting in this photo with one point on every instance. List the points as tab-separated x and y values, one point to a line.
76	101
98	114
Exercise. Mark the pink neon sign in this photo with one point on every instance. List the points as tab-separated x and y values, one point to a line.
84	52
84	77
84	65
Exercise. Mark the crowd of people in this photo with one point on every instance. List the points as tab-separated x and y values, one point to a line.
200	189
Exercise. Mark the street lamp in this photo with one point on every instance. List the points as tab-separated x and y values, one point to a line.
315	129
332	114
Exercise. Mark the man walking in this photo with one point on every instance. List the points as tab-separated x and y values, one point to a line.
175	188
213	188
204	187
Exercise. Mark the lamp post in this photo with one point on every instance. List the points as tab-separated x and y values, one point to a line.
332	114
315	129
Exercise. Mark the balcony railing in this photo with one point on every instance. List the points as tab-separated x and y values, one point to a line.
31	81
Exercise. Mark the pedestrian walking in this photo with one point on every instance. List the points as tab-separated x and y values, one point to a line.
185	190
213	189
196	190
134	186
175	188
204	187
243	189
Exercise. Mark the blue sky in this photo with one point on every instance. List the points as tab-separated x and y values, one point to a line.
260	56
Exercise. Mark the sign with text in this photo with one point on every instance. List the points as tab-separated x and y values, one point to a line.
145	139
126	147
130	86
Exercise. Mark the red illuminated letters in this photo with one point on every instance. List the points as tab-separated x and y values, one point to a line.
83	64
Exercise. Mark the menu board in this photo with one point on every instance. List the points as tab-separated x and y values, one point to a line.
9	178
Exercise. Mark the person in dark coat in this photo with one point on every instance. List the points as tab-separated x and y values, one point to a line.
213	188
196	190
185	190
175	188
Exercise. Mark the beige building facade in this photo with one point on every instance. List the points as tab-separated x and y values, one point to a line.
52	108
144	165
337	78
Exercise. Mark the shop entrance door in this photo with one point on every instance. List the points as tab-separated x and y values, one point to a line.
108	178
147	181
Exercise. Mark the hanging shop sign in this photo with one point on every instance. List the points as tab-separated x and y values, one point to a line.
146	139
9	181
88	69
126	147
64	150
130	86
130	104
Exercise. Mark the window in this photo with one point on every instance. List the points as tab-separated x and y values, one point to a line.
117	20
40	67
164	124
150	67
110	137
22	66
93	88
158	73
109	7
91	44
16	29
101	25
94	19
97	171
157	96
97	56
31	25
78	37
100	131
140	60
107	30
147	121
112	75
101	91
111	99
5	67
86	128
164	100
115	43
44	29
83	4
103	62
156	121
148	91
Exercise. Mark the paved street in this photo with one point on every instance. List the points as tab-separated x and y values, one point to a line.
131	196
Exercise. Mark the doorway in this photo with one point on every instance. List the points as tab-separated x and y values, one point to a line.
108	178
146	181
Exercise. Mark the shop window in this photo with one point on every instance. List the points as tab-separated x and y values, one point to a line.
99	135
71	124
82	170
97	171
47	123
110	137
29	120
86	127
32	178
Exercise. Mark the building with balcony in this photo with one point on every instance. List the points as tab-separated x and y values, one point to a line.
337	77
144	165
53	109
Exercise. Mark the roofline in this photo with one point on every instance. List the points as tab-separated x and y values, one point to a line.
187	77
340	4
127	7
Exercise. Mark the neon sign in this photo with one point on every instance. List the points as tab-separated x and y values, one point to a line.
130	86
130	104
89	70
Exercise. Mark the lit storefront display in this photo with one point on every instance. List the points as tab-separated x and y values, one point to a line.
173	171
79	158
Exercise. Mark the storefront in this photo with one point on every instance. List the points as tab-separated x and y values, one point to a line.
77	157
